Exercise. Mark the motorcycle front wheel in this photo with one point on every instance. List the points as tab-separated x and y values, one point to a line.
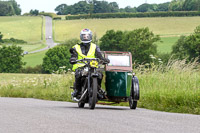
93	96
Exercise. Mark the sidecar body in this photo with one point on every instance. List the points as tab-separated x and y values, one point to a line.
119	79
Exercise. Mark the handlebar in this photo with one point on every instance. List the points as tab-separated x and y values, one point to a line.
90	59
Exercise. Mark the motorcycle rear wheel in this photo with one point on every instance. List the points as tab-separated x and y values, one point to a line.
93	97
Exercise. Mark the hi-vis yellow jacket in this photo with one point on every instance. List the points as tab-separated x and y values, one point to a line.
90	54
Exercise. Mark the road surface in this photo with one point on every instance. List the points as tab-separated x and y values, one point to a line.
19	115
48	35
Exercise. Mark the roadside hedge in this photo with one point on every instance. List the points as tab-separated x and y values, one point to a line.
135	15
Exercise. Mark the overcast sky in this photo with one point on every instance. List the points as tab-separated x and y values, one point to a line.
50	5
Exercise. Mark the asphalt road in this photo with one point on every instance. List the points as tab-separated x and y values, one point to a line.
48	35
19	115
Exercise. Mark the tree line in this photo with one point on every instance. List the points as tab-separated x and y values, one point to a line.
94	6
9	8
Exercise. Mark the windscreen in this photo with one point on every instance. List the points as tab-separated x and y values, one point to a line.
119	60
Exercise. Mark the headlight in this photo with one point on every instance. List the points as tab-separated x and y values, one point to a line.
85	71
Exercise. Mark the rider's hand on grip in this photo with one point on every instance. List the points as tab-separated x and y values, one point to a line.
73	61
106	61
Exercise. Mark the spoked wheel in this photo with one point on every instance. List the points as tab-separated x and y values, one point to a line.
135	93
81	104
93	95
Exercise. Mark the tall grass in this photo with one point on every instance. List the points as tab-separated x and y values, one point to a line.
171	88
49	87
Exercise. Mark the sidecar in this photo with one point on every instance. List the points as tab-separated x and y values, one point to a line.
121	84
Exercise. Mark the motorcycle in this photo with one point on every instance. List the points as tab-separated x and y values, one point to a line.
90	74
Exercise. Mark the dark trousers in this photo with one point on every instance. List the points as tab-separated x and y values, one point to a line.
78	80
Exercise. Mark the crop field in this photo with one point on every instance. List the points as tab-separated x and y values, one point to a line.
165	27
26	28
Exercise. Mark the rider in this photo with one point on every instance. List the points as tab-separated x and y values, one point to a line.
85	49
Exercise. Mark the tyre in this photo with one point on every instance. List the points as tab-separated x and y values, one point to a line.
132	103
81	104
135	93
93	96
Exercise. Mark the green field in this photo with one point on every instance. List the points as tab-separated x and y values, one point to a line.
20	27
34	59
163	26
166	43
32	47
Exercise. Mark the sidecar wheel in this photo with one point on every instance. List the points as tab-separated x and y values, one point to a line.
81	104
135	93
132	103
93	97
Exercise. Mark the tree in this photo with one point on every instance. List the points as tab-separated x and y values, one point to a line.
55	58
140	42
34	12
112	41
114	7
163	6
10	7
146	8
188	46
61	9
11	59
176	5
191	5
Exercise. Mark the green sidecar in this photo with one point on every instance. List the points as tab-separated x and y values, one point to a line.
121	84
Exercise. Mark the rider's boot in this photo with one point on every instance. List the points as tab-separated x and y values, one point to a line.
77	90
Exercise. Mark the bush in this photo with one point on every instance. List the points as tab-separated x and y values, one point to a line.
1	36
14	41
55	58
140	42
11	59
57	18
34	70
188	47
70	43
134	15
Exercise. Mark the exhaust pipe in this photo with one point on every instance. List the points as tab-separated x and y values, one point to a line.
78	100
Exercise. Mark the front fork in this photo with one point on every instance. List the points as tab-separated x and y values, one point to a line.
90	76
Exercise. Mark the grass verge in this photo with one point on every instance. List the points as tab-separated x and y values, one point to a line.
172	88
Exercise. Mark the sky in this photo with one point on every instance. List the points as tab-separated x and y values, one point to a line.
50	5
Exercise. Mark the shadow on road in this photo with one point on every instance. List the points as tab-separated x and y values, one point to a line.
97	108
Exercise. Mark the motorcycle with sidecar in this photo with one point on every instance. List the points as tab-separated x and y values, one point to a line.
121	84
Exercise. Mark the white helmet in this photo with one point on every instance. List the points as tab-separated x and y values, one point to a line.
86	36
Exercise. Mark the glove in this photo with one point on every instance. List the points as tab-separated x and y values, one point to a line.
72	61
106	61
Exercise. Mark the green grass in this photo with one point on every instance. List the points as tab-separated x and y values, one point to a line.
175	88
166	26
21	27
49	87
32	47
34	59
165	46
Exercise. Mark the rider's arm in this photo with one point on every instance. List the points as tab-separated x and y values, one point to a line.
74	56
99	55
